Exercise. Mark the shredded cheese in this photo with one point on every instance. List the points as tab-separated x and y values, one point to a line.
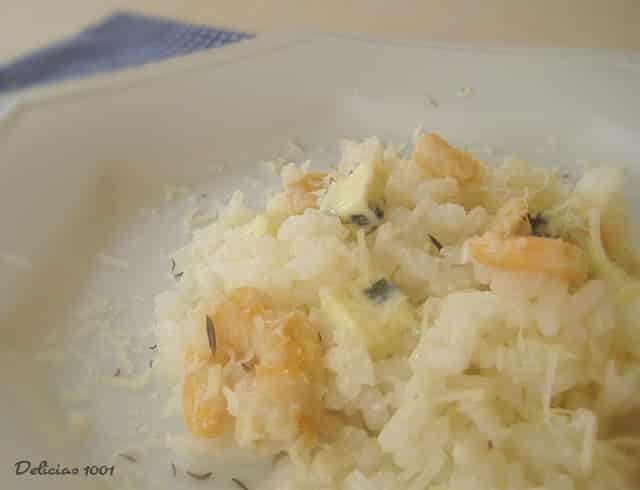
547	389
132	383
214	381
473	395
15	261
110	261
588	441
465	92
78	421
54	356
173	191
363	255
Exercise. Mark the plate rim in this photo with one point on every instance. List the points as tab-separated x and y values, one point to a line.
13	103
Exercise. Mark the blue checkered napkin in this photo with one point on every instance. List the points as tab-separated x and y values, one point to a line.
121	40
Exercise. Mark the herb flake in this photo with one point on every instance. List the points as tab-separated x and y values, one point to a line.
128	457
378	210
199	476
436	242
359	219
538	225
211	335
176	275
117	373
379	291
174	472
240	484
153	347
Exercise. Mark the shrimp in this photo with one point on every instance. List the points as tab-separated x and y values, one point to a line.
296	201
301	193
439	159
269	355
233	320
312	181
553	256
512	218
277	408
205	413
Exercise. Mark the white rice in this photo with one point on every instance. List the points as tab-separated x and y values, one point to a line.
513	380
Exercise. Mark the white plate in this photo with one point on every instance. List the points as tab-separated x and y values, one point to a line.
79	160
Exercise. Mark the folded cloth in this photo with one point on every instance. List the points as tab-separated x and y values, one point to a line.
121	40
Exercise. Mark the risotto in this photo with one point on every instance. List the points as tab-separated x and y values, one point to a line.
410	322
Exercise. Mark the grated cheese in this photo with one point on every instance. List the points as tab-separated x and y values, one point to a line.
218	168
232	400
110	261
78	421
473	395
116	338
54	356
173	406
418	130
15	261
588	441
465	92
363	255
197	218
549	377
292	151
171	192
132	383
77	394
273	166
123	361
214	381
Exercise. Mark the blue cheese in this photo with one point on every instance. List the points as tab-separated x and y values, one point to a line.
379	313
359	197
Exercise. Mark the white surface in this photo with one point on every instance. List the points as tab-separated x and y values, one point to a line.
78	161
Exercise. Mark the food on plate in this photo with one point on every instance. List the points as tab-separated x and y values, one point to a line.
439	159
415	320
552	256
270	356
